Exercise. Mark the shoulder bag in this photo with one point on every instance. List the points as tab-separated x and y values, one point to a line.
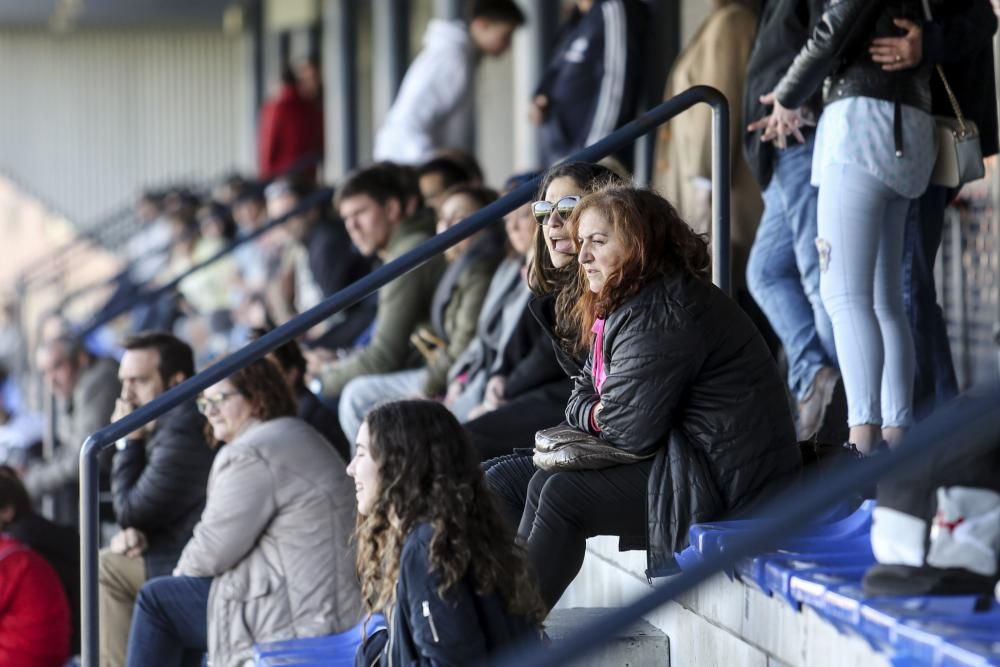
565	447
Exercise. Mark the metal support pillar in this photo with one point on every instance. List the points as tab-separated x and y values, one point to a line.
663	43
449	9
391	52
340	55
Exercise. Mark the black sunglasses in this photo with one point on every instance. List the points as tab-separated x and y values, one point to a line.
543	209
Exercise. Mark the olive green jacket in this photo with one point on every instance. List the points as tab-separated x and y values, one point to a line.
403	304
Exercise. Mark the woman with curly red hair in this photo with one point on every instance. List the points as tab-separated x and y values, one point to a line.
270	558
434	553
677	375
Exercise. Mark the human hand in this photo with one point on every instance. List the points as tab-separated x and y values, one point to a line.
781	122
539	107
318	360
899	53
454	391
129	542
479	411
496	387
123	408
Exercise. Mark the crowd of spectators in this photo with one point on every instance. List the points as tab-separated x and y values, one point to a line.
409	420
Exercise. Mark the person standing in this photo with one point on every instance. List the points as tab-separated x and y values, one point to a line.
434	108
592	83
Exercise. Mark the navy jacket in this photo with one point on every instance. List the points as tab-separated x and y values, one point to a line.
593	79
430	631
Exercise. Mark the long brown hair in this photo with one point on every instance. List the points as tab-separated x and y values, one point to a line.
657	240
262	384
430	473
543	276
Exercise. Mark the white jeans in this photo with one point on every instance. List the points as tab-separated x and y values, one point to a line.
861	223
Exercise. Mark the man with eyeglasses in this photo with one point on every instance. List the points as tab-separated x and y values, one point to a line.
158	483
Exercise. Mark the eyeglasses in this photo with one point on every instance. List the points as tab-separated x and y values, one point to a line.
206	404
542	210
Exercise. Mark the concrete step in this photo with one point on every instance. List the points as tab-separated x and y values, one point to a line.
638	645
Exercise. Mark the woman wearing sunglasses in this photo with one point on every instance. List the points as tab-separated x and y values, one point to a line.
677	374
553	354
270	557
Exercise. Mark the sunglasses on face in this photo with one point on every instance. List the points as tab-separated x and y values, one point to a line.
542	210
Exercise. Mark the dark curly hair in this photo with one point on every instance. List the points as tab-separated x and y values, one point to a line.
543	276
657	240
263	386
429	473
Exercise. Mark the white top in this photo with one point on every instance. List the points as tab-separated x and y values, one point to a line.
859	131
434	107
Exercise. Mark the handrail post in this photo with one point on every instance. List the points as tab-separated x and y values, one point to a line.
721	184
90	540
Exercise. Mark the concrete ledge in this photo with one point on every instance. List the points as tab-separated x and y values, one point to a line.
637	646
722	622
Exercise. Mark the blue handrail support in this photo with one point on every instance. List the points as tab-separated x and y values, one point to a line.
352	294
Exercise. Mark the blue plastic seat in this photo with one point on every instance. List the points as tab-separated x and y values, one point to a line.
919	636
329	651
973	649
780	568
833	527
883	619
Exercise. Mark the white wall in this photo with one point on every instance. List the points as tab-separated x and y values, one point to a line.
89	118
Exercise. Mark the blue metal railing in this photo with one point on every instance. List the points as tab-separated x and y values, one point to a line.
966	425
89	469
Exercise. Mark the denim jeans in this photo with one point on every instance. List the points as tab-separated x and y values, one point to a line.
935	372
783	270
170	623
861	224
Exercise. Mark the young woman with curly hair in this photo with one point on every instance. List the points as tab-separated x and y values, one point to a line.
434	553
270	558
677	373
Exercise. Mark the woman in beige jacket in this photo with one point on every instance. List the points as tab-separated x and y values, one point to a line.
270	557
716	56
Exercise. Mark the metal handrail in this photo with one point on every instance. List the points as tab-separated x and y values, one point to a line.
352	294
968	424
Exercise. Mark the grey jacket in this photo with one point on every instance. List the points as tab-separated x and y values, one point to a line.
275	536
88	411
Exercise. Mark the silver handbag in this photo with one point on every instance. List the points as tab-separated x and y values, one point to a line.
564	447
959	154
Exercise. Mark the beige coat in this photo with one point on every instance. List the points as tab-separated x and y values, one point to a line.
275	535
717	56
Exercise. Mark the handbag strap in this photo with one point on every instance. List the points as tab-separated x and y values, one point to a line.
962	127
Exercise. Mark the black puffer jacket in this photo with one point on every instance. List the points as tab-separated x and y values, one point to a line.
158	486
690	379
838	48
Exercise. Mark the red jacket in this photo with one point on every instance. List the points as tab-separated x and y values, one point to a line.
34	613
291	128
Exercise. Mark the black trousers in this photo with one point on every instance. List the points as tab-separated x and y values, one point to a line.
562	509
514	424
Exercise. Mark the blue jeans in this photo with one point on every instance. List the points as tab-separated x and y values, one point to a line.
934	381
170	623
783	270
861	223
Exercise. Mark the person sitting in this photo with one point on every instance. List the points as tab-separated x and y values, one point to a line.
85	388
434	554
384	214
437	176
56	543
311	410
270	557
495	345
34	613
677	374
455	307
158	480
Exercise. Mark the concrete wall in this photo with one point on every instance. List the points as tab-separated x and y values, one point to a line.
89	118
